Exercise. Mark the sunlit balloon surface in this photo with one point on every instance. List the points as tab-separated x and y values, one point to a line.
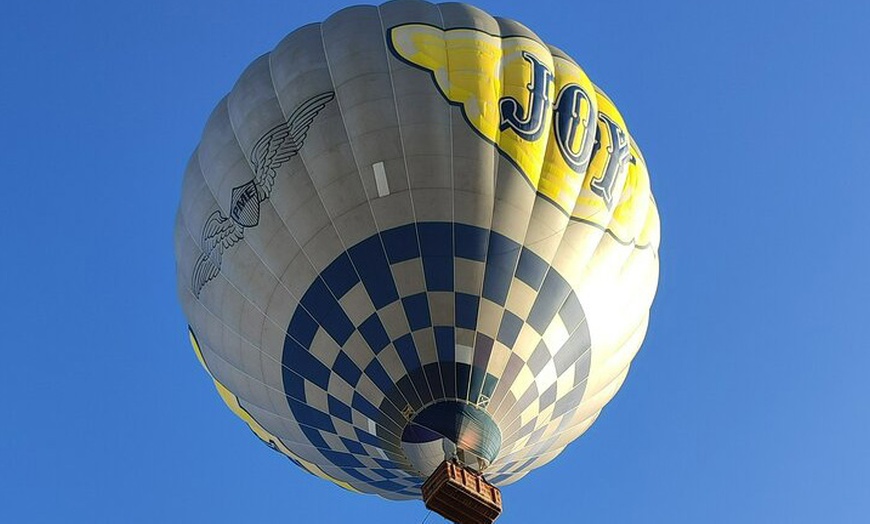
415	228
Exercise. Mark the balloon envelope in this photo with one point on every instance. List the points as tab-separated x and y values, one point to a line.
413	231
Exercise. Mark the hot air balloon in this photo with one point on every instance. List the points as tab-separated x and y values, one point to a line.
413	237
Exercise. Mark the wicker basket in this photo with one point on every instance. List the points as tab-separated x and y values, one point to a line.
461	495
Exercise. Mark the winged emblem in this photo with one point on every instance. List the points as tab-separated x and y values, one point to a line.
272	150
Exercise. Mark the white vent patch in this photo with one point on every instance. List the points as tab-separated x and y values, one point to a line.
381	179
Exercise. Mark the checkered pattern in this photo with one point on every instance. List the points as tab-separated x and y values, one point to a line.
383	332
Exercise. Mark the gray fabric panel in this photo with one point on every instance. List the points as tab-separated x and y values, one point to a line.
299	74
386	150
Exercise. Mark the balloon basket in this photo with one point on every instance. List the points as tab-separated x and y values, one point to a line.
461	495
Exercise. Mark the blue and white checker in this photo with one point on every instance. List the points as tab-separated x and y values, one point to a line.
363	379
404	258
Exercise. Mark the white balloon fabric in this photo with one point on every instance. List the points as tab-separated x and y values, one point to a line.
415	230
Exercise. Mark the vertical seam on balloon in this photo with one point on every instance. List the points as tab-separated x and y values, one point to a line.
608	212
245	339
634	339
205	345
627	261
535	198
320	198
289	453
198	349
492	407
368	199
584	322
540	199
453	209
245	240
329	215
276	415
408	177
241	337
313	184
562	247
289	231
517	453
628	341
494	181
475	331
642	172
510	407
259	256
585	264
560	253
635	237
449	110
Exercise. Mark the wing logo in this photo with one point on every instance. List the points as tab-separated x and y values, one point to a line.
272	150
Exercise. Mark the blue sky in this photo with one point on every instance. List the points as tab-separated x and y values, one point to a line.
747	403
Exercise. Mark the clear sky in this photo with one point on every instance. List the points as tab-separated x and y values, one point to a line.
747	403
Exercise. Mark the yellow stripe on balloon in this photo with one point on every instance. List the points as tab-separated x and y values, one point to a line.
560	182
